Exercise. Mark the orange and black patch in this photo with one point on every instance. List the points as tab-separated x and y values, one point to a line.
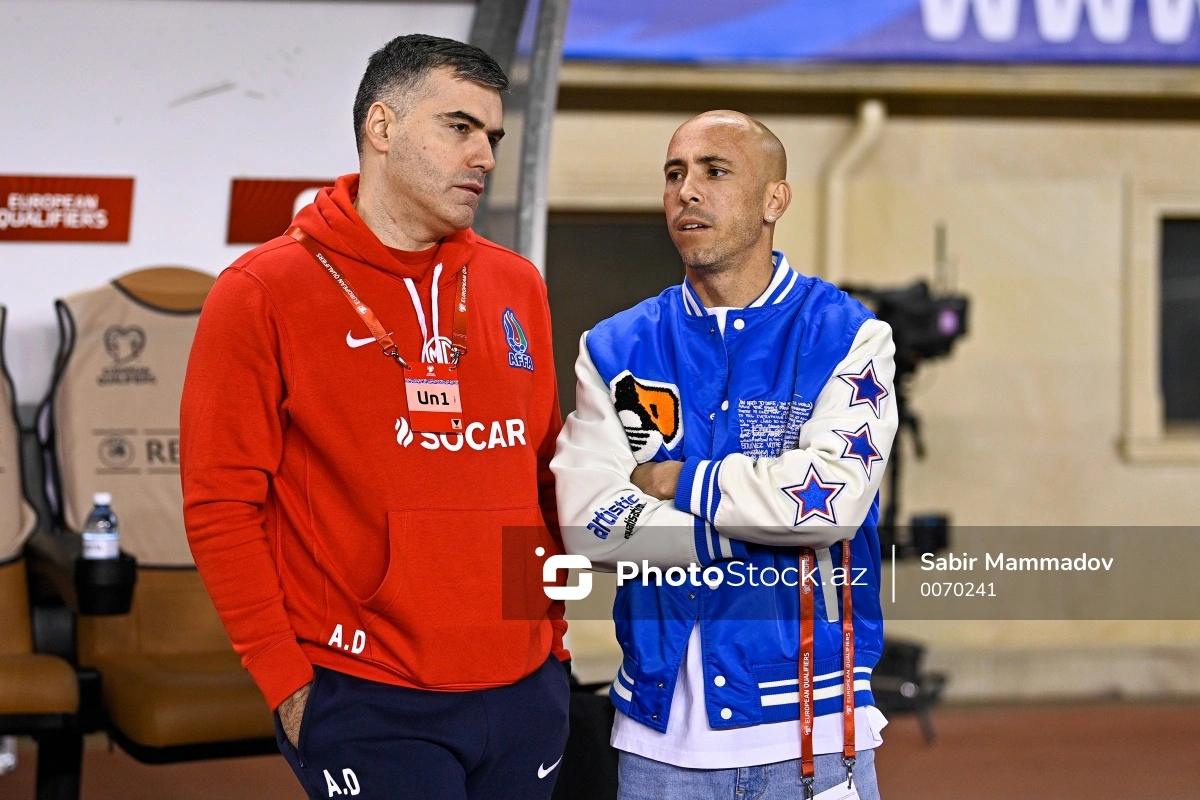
650	411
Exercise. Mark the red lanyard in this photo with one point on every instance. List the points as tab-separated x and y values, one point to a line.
807	626
458	333
381	335
848	741
807	611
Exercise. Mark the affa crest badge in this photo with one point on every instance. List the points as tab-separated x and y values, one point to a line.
651	413
518	342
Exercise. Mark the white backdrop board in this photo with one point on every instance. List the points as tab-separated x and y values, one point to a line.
183	96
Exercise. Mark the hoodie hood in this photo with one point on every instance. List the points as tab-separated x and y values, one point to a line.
333	221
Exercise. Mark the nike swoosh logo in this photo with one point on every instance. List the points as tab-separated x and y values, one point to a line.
543	772
352	342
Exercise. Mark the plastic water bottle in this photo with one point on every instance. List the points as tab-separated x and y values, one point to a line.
101	535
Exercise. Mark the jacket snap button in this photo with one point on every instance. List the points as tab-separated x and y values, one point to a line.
654	716
691	595
661	684
719	680
726	713
739	323
712	416
725	405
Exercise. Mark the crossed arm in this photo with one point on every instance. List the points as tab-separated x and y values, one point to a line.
814	495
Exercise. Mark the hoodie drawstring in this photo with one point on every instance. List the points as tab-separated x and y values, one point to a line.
436	348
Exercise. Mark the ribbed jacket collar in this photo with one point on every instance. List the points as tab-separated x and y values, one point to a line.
778	290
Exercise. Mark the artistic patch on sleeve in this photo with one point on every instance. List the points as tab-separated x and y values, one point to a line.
604	519
651	413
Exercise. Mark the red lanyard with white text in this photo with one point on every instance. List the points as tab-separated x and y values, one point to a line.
807	632
459	334
433	398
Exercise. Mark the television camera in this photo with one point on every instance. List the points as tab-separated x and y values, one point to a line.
925	325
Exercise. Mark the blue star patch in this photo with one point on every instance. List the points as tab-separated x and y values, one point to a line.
859	447
813	497
867	388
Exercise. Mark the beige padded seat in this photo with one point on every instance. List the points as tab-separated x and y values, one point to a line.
169	676
29	683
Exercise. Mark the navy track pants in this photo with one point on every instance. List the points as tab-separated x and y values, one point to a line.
370	741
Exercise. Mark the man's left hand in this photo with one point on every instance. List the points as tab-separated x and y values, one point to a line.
657	478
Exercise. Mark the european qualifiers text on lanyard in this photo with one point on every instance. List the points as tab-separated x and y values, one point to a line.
844	791
434	403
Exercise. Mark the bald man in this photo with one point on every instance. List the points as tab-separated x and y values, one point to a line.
724	458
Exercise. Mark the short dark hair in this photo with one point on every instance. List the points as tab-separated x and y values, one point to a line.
404	62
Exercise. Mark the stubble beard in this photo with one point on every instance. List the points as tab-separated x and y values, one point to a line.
421	186
705	262
722	256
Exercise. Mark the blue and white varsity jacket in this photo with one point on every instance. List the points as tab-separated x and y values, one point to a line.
784	426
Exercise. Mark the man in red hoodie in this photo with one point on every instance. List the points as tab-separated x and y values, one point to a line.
367	424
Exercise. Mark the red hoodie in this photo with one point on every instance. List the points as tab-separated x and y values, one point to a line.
323	532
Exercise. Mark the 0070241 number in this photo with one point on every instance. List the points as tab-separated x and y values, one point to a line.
952	589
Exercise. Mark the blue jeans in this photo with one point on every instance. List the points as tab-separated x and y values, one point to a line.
644	779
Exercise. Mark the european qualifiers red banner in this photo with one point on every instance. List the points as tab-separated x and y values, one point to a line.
42	208
262	208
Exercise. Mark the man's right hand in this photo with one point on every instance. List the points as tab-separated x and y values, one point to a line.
659	479
291	711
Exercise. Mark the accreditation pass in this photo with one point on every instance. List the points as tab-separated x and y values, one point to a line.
434	405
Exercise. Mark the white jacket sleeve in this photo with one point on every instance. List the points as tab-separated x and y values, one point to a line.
602	514
819	493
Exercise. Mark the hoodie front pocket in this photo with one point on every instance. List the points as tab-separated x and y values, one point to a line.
439	615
